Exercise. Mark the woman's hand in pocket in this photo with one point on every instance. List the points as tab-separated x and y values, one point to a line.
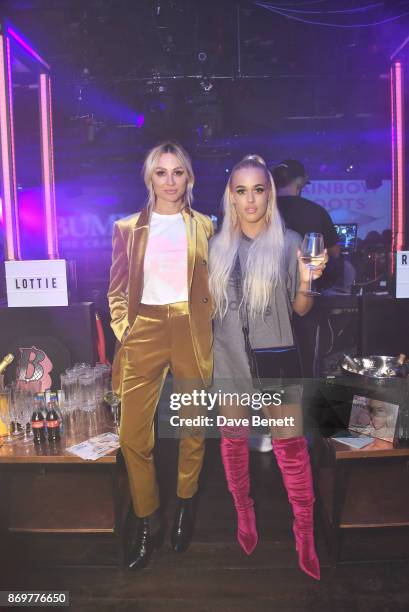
125	334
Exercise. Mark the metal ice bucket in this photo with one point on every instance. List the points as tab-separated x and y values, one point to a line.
373	366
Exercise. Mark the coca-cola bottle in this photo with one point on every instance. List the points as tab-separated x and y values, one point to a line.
53	422
54	398
37	422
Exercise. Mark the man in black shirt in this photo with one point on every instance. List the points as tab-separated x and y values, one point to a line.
304	216
300	214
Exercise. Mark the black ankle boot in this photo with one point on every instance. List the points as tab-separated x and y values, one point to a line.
149	536
182	529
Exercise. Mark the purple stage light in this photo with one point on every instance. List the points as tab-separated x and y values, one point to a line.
9	188
140	120
30	201
20	40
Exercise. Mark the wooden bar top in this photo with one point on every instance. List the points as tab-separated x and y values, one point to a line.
377	448
91	424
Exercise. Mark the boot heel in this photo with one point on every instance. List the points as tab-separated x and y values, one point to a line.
294	463
146	543
246	532
307	557
183	524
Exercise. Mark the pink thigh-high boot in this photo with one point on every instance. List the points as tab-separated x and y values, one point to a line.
235	456
294	462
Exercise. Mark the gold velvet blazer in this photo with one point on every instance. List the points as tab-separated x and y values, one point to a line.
130	238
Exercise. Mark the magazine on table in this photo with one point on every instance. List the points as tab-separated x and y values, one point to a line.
96	447
369	419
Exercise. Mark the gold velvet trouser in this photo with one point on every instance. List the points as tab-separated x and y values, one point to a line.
159	338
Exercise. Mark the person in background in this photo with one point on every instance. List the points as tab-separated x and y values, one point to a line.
161	315
299	214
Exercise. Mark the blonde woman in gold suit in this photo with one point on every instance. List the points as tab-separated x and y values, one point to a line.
161	315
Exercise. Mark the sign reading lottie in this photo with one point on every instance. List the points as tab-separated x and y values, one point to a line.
34	368
36	283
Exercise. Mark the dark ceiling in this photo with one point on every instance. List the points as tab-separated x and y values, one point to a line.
129	39
227	66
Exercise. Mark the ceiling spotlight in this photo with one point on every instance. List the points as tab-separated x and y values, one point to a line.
202	56
156	86
206	86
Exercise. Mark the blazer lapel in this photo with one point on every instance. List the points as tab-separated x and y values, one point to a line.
191	230
138	248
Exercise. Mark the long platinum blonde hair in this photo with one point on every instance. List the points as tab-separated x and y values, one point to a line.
264	262
151	162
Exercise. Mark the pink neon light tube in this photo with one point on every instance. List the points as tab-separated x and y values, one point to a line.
393	152
48	166
13	151
7	154
398	158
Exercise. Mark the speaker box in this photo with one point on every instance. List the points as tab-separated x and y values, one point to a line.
383	325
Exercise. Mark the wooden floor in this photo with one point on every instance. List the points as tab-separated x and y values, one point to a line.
214	574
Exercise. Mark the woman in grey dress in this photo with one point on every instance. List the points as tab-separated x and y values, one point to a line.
257	277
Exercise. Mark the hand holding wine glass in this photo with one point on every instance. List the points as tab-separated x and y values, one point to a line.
314	257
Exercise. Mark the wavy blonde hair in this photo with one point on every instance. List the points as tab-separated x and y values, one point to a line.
151	162
263	268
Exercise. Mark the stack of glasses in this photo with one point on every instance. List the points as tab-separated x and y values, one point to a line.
83	388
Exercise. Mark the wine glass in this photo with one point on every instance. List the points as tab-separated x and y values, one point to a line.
312	255
26	413
113	400
17	409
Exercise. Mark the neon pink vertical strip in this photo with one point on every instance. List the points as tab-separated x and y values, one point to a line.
393	142
16	224
48	166
400	167
6	154
52	175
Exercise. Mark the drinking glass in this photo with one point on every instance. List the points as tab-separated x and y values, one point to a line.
112	399
27	411
87	392
104	371
312	255
69	389
99	384
81	366
17	408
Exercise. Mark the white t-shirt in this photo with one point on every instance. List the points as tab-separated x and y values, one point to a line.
165	264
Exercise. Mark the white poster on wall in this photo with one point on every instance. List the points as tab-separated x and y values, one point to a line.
402	274
40	282
353	202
